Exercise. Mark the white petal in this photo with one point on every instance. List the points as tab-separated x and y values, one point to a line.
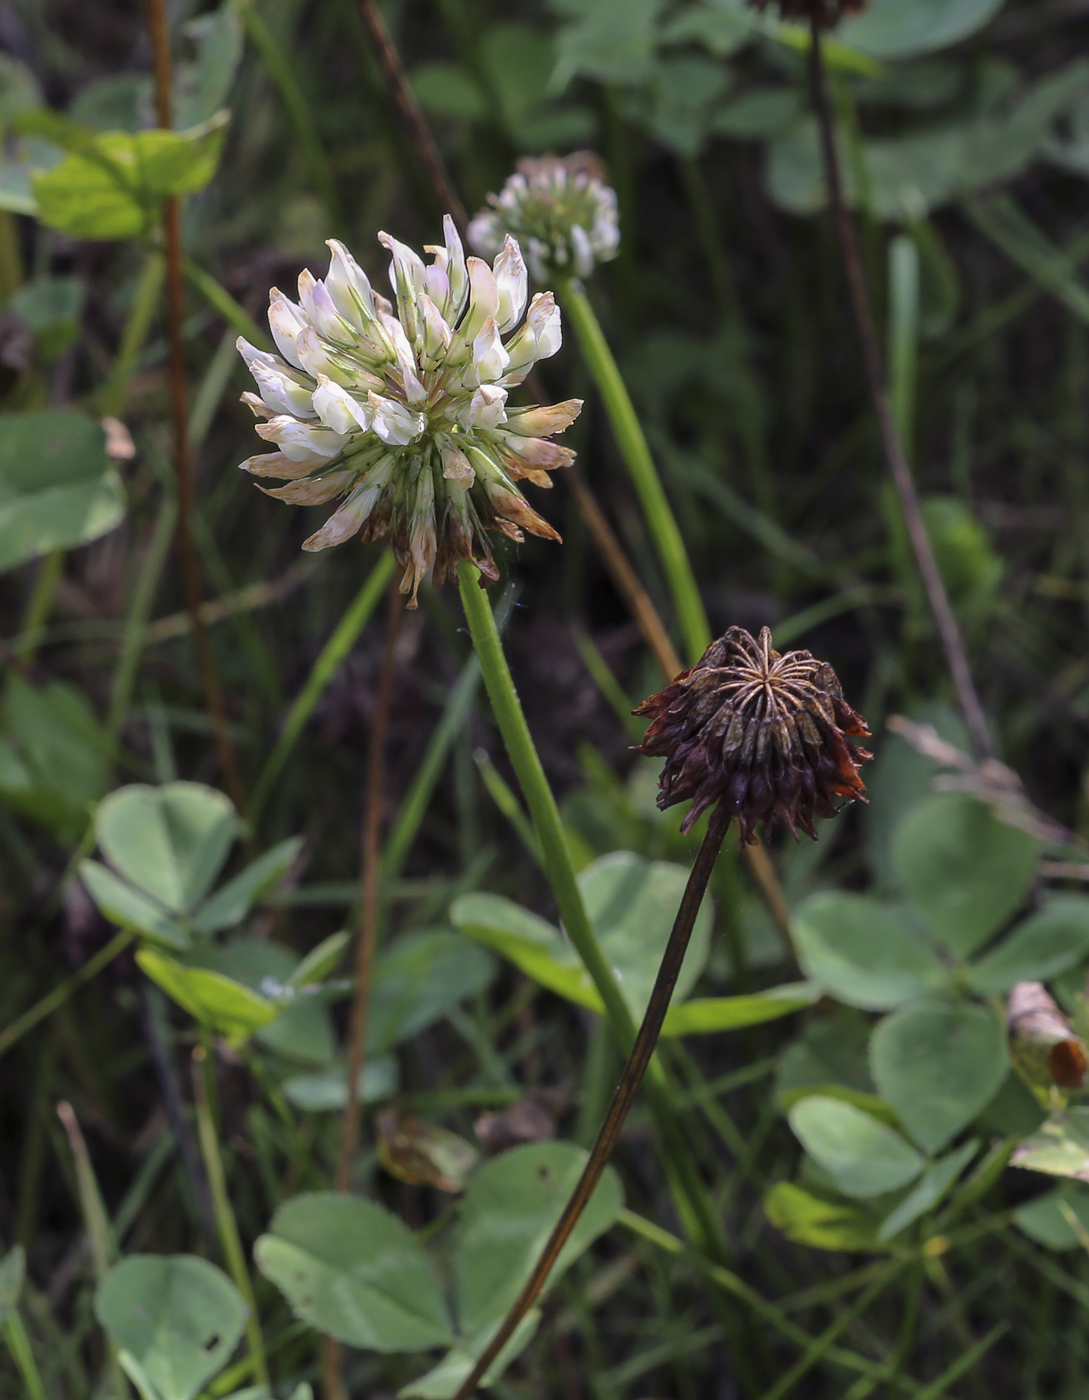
300	440
281	394
353	514
455	270
394	423
544	318
487	408
349	286
285	321
338	410
490	357
511	280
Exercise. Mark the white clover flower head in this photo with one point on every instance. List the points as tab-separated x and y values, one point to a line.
403	412
562	212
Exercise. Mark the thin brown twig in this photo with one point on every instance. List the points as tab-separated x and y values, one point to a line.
622	1100
369	889
179	408
948	629
424	142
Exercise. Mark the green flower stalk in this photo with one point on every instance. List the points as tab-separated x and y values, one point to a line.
404	416
564	216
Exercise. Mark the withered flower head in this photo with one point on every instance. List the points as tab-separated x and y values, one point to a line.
762	731
827	13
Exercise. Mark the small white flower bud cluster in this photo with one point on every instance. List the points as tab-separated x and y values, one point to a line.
562	213
405	413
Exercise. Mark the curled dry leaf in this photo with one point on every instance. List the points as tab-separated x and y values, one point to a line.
1038	1025
424	1154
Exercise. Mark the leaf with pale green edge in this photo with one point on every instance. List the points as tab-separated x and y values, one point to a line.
706	1015
303	1028
128	908
508	1212
12	1274
58	488
321	961
170	841
356	1272
232	902
177	1317
861	1155
930	1190
419	978
963	869
820	1223
864	952
1059	1148
890	29
223	1005
631	903
938	1064
1045	944
1045	1221
327	1092
535	946
112	183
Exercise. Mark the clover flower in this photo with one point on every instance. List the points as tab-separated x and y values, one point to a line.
562	213
825	13
405	415
761	731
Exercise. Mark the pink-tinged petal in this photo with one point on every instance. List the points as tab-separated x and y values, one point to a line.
511	281
286	322
313	491
277	465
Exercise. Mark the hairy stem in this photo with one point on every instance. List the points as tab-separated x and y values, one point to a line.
623	1098
899	468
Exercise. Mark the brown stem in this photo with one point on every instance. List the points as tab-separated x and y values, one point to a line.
948	629
369	886
624	577
179	411
636	1067
413	118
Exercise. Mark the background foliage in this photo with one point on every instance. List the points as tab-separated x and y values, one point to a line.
848	1094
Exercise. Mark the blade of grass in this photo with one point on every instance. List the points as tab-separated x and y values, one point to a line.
329	660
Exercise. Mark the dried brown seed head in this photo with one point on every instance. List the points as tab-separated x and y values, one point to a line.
762	731
825	13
